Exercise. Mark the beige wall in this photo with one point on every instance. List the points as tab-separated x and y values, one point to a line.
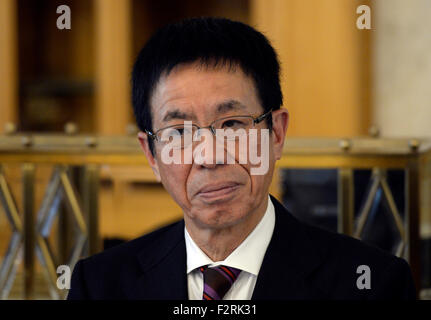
402	77
402	67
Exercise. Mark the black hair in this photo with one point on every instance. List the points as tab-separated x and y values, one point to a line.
212	42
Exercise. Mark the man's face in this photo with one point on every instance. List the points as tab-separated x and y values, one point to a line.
211	195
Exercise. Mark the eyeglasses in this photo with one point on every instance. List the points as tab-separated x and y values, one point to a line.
238	125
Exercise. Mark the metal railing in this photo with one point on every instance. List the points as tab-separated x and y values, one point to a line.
82	156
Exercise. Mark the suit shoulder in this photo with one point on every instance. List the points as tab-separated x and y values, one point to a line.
130	248
345	258
111	274
335	245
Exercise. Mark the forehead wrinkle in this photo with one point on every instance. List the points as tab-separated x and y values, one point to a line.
166	96
172	104
230	105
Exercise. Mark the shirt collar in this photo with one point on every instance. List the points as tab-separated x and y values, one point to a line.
248	256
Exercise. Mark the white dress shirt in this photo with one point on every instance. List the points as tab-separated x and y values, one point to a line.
248	257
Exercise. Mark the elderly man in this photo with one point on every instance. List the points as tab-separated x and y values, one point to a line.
205	92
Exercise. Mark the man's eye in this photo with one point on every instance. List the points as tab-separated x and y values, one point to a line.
233	124
173	132
178	131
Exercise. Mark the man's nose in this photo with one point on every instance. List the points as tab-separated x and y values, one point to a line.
208	150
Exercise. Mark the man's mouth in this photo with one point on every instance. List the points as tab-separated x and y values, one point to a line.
217	190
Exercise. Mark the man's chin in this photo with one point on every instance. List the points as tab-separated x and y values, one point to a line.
220	218
219	224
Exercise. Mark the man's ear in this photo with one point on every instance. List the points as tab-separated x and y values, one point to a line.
280	122
143	141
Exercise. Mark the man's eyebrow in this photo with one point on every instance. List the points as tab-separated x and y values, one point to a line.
230	105
223	107
176	114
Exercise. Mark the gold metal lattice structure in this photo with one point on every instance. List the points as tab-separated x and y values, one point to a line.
379	180
34	233
31	229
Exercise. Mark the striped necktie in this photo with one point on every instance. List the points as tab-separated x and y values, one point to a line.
217	281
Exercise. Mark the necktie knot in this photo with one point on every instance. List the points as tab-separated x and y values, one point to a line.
217	281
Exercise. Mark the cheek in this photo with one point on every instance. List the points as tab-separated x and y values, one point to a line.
258	184
261	182
174	179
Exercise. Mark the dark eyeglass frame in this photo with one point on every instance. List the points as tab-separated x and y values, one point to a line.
256	120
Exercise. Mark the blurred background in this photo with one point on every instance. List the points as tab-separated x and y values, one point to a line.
339	82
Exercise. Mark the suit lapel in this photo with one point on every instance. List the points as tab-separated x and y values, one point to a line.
164	271
289	259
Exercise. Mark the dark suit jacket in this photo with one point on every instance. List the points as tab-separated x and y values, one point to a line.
301	262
